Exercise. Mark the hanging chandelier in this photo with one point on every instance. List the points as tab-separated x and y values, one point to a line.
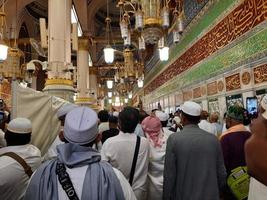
130	70
108	50
152	22
3	46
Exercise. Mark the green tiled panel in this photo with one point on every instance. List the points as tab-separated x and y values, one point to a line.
246	49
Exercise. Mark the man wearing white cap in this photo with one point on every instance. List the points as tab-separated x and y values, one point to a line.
194	166
255	149
163	117
61	114
78	172
14	177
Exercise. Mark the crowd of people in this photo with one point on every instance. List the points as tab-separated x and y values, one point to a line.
188	155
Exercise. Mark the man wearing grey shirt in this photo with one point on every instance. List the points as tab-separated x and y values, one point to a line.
194	167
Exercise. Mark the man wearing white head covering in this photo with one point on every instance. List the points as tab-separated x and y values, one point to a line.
78	172
61	114
13	178
163	117
194	167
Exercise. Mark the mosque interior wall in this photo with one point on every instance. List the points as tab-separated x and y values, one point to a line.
224	64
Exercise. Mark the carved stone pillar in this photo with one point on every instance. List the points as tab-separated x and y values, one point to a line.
85	95
59	82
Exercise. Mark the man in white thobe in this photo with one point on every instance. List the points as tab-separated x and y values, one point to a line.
119	152
78	167
13	179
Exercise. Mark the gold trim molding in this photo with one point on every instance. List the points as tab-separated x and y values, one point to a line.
83	44
58	82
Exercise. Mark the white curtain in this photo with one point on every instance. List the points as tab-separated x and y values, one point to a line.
41	109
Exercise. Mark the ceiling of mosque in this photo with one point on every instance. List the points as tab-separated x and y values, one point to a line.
95	18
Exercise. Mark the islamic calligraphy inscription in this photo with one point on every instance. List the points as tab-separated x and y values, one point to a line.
197	92
212	88
178	99
246	78
187	95
246	16
233	82
260	74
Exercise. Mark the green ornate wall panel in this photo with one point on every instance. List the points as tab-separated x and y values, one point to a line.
220	37
252	46
216	11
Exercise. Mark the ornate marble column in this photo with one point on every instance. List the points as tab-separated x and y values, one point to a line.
85	96
59	82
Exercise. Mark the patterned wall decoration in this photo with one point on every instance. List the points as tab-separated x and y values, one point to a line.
5	92
212	88
197	92
178	99
246	16
191	9
249	50
220	85
187	95
246	78
203	90
260	74
233	82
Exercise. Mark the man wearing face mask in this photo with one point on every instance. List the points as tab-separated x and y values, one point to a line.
255	150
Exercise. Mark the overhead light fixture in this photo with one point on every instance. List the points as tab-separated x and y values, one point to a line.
108	50
109	84
109	94
140	83
3	50
130	95
163	50
117	99
164	53
3	46
109	54
152	19
109	100
126	100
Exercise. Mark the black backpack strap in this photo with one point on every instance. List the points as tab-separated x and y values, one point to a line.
64	180
137	146
21	161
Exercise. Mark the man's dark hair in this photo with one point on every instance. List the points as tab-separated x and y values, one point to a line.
113	119
103	115
15	139
128	119
191	119
164	123
142	115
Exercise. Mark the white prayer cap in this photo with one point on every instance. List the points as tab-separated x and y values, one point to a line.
81	126
162	115
264	106
191	108
20	125
116	114
64	109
